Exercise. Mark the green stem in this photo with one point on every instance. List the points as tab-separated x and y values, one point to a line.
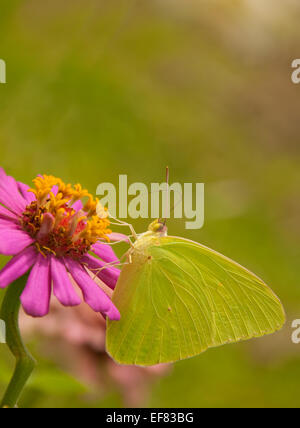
25	364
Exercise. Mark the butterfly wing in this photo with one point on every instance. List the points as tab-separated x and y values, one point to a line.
180	298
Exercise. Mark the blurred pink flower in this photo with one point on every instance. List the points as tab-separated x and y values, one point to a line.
50	232
80	333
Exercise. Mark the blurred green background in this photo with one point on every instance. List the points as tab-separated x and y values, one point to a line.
98	88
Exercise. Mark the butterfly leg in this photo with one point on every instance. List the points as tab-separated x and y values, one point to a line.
123	223
97	271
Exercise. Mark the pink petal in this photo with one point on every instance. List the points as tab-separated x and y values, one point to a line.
13	241
93	295
118	237
18	266
62	287
8	199
105	252
108	274
5	213
6	223
10	195
36	296
47	225
54	190
77	206
28	196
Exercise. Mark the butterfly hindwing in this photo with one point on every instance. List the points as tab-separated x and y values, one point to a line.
178	298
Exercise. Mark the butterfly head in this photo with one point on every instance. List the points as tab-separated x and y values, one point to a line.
158	226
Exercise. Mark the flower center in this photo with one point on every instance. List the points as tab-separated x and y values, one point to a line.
57	226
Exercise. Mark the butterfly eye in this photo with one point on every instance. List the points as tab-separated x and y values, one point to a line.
154	226
158	226
162	228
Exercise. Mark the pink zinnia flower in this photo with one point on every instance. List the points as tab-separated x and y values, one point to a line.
51	233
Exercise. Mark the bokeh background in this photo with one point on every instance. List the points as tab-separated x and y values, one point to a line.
98	88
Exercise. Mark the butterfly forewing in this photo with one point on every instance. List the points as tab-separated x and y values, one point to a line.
179	298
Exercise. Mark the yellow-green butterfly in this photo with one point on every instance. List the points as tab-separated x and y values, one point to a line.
178	298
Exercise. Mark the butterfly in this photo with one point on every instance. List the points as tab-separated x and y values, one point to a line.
177	298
